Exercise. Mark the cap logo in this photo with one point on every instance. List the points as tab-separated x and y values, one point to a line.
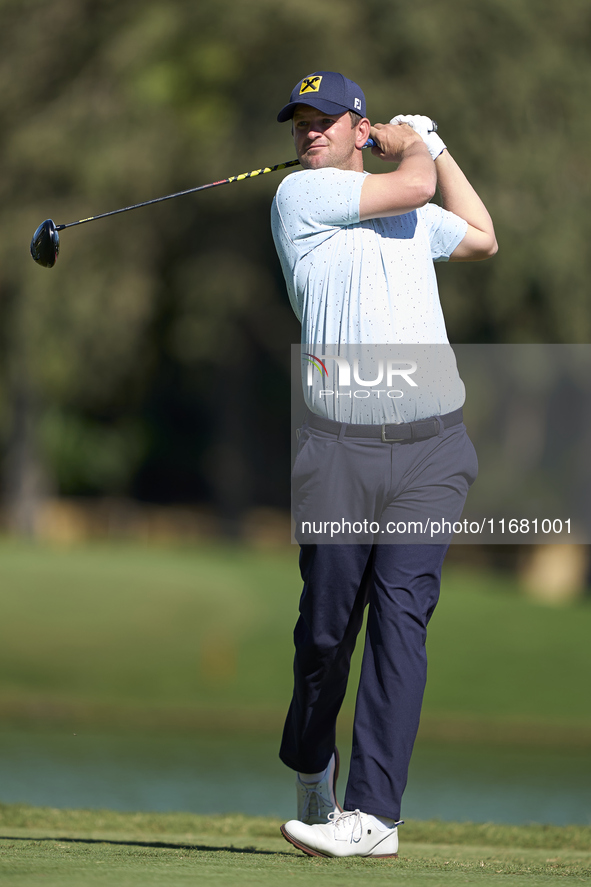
357	103
310	84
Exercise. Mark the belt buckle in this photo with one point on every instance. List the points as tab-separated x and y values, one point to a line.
390	439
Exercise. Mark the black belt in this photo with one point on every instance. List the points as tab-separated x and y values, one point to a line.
419	430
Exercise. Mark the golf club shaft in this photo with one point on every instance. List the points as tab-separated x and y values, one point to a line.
245	175
239	178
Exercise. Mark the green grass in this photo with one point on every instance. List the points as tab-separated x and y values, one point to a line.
123	634
126	633
493	651
79	847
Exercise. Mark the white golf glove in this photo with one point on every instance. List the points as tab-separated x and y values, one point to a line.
423	126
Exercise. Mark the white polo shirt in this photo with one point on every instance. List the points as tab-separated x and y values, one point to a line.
365	283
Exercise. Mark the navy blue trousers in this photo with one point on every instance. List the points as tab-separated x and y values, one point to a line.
400	583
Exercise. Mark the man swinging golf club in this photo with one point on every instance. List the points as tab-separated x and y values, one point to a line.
357	253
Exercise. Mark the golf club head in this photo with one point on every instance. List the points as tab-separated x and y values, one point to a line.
45	245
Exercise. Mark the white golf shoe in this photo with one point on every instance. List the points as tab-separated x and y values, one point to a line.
317	799
345	834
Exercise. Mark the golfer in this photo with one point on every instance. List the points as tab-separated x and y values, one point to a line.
357	253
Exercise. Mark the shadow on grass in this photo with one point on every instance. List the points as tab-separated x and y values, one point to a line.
167	845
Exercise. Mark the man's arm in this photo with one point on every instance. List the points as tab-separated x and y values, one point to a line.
407	188
458	196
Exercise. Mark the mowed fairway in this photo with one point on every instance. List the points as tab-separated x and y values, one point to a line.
123	633
61	847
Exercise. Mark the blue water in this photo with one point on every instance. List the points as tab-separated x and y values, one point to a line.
207	774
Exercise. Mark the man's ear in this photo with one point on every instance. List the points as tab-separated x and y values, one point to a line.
362	136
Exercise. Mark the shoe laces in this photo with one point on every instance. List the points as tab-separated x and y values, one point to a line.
347	825
343	824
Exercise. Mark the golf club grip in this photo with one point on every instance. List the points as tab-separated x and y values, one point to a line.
371	144
228	181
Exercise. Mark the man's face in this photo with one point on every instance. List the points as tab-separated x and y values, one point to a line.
323	140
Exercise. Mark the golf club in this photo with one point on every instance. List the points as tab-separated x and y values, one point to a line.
45	243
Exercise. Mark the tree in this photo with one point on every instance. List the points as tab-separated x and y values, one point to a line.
105	104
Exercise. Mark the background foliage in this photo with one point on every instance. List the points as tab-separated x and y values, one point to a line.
152	361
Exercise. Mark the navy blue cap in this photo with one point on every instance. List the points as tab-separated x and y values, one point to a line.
328	91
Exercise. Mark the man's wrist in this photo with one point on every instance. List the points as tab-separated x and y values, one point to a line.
417	147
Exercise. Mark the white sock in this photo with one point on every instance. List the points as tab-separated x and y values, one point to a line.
311	777
314	777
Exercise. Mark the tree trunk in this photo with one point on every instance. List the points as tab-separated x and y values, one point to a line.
24	482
